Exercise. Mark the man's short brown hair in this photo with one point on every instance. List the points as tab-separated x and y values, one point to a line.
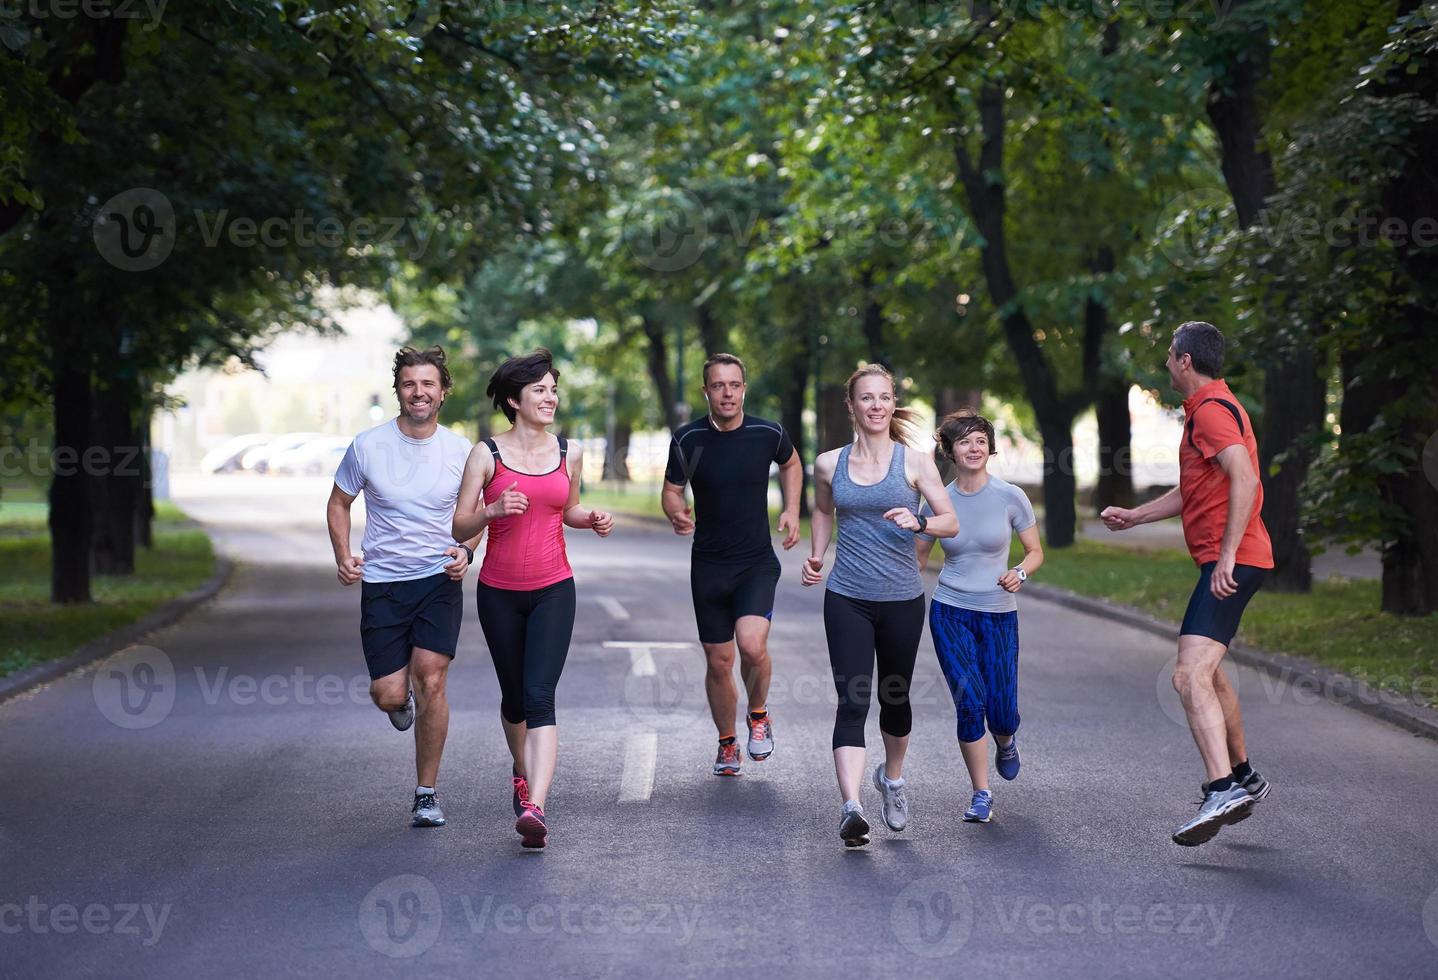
723	359
433	356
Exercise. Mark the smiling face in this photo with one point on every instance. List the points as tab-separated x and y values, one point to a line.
538	401
724	387
971	453
420	392
871	403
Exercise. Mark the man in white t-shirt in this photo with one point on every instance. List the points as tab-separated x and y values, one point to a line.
412	597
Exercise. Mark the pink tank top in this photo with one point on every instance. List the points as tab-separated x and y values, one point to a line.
526	552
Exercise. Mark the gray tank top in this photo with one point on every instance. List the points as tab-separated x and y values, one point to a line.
875	558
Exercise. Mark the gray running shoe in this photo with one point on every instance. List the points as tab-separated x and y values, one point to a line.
853	828
404	717
426	811
1257	786
727	762
1219	807
761	738
895	809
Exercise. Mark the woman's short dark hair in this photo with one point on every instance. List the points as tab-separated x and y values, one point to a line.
958	426
1203	342
433	356
513	375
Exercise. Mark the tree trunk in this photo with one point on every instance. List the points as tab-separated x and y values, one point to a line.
70	516
1293	388
657	361
145	499
872	323
115	486
712	334
616	452
835	428
795	384
1115	451
984	188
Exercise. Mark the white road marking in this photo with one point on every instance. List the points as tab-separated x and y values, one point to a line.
641	660
637	781
612	606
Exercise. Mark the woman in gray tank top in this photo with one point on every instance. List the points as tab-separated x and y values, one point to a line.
874	603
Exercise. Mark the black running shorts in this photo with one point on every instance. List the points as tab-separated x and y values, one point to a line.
1218	619
724	592
396	617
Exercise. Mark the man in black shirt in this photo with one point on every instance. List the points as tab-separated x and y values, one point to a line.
725	458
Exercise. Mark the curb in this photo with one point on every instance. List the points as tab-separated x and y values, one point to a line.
116	640
1331	685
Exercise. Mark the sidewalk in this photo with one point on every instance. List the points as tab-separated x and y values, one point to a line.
1169	534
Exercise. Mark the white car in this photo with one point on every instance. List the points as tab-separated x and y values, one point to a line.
225	458
314	458
257	460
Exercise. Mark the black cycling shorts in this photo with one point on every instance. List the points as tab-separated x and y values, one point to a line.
1214	618
724	592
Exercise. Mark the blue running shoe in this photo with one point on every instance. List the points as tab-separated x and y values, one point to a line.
1006	759
981	808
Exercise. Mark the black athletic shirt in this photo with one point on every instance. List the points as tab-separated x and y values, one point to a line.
729	473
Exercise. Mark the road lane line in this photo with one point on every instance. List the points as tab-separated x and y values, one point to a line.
641	660
636	783
612	606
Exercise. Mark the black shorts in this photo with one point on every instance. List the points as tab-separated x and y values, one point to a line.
1218	619
396	617
724	592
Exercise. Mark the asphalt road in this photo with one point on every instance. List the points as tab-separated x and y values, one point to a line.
227	802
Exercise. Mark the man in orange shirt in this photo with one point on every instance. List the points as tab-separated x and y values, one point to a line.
1220	498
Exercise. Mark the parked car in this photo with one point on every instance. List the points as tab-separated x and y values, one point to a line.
317	457
225	458
257	460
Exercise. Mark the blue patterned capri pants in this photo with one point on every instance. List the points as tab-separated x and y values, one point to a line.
979	654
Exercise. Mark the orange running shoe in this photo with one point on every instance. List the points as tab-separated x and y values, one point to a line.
761	738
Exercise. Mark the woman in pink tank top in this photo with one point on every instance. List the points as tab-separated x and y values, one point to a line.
523	486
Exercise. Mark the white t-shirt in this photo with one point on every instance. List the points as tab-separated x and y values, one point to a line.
410	489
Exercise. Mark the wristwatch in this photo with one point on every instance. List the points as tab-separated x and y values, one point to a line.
1023	575
923	523
467	550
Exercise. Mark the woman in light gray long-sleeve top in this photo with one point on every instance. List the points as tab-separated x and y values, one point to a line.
874	603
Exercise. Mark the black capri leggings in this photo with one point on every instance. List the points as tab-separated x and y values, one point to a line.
858	630
528	636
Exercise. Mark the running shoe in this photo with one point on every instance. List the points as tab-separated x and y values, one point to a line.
761	738
404	717
1257	786
1006	758
1219	807
981	807
895	808
426	812
726	763
530	825
853	828
521	792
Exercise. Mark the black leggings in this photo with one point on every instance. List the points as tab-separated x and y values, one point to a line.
858	629
528	636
